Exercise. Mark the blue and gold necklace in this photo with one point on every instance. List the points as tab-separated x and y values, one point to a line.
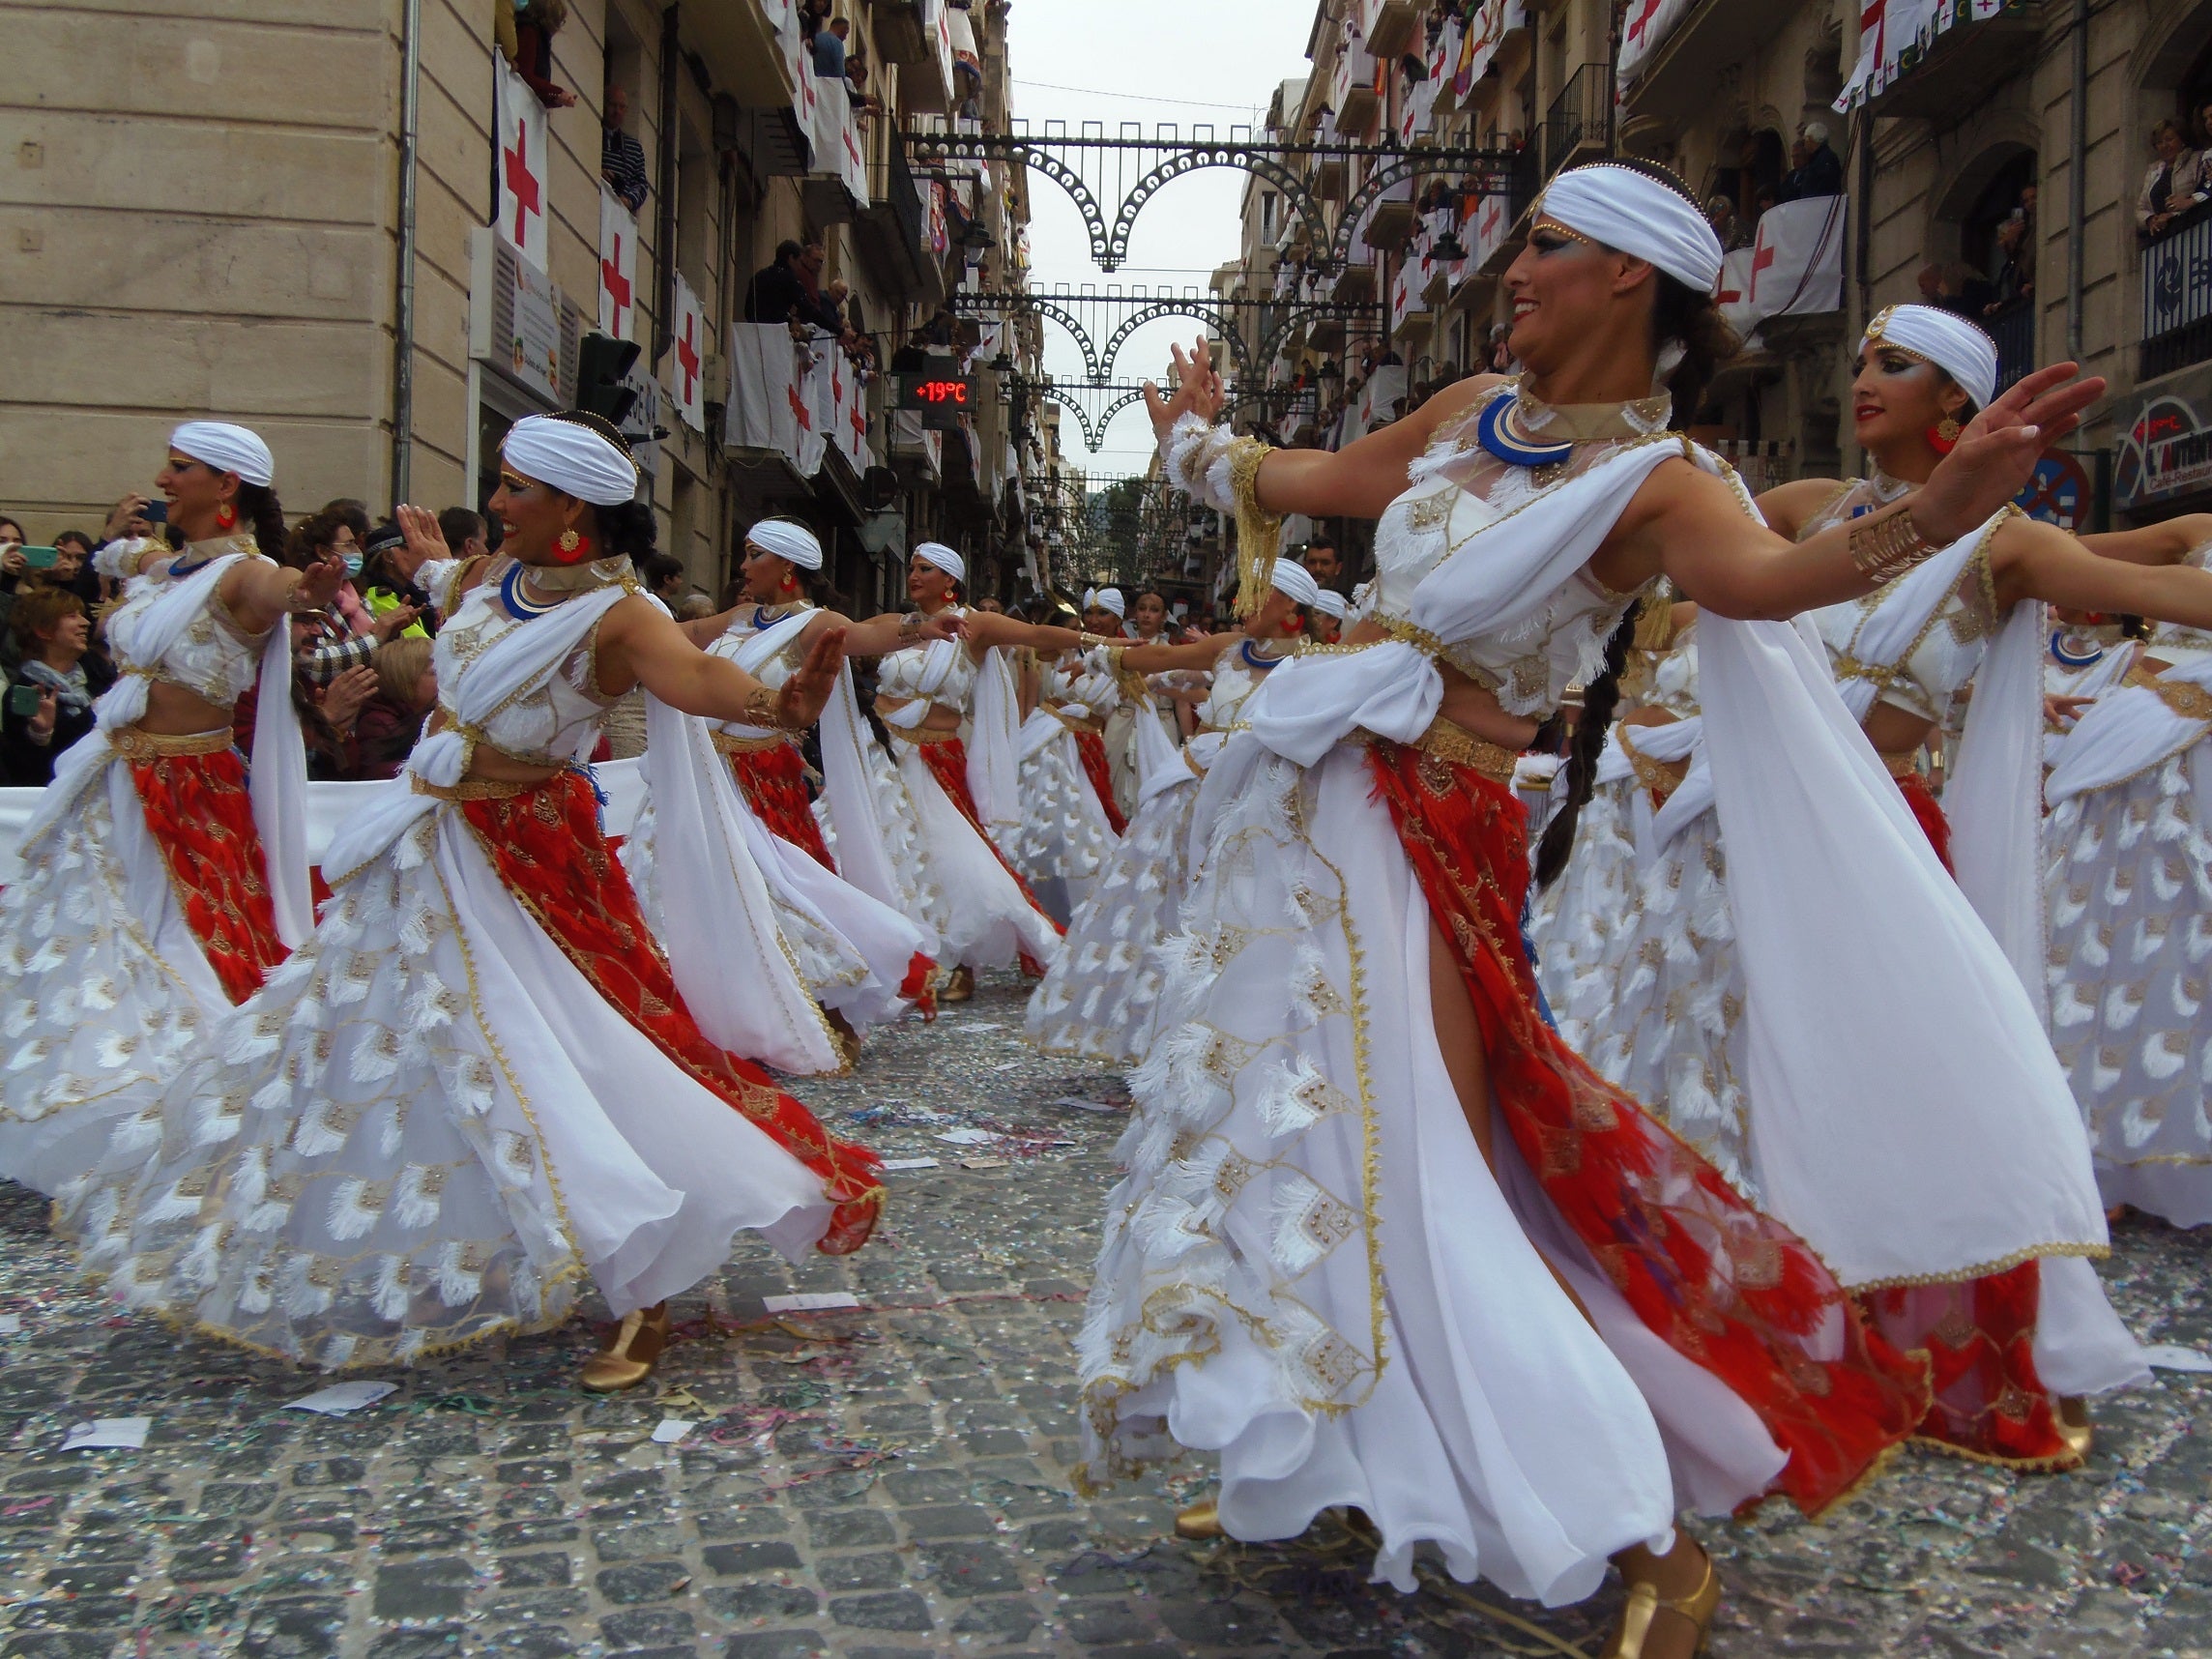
1522	431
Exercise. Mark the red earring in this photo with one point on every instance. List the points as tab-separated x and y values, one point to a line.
226	515
790	582
1943	436
574	548
1293	625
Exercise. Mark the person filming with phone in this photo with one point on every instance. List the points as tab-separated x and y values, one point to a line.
50	695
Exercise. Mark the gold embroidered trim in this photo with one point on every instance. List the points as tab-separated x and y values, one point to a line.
1903	763
1450	742
1059	712
735	746
471	788
1983	1270
135	744
1259	533
2189	702
1661	777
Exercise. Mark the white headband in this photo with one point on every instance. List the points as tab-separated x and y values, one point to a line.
1951	343
1296	582
573	458
1634	212
227	449
944	558
1106	599
787	540
1333	602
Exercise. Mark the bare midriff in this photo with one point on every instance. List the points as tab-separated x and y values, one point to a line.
172	711
1473	708
941	721
1896	731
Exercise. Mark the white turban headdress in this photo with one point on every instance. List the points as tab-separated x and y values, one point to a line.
1106	599
787	540
1332	602
573	458
227	449
1950	342
1296	582
1630	209
944	558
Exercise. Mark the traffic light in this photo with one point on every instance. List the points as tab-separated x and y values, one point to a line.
602	363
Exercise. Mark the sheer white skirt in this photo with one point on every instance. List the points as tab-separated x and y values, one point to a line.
1065	839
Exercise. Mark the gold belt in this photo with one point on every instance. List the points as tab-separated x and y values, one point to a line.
1453	743
133	743
735	746
476	787
1661	777
2189	702
1058	711
1902	763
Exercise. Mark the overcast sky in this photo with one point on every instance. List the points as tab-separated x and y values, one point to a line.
1181	62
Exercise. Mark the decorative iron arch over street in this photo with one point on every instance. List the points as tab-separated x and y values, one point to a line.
1086	314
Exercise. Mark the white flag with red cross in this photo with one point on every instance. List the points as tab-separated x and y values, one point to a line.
688	357
520	163
618	268
1645	26
1795	268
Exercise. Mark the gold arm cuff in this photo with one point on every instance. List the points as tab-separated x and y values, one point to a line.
1259	533
135	744
1886	545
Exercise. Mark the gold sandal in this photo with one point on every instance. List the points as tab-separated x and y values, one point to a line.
2072	1416
1200	1522
1645	1604
631	1352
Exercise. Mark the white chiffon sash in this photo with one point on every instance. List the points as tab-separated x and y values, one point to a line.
278	781
994	765
1157	756
508	666
2127	731
729	958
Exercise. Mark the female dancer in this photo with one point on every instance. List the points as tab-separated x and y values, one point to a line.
1070	822
2129	883
1101	999
157	887
478	1082
1329	608
863	959
963	796
1571	1324
1169	700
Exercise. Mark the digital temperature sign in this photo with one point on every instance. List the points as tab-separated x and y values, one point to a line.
936	392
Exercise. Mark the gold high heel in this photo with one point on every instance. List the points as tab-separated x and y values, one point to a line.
2074	1425
1200	1522
631	1352
1645	1604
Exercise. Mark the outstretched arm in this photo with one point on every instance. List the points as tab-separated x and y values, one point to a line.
641	644
887	631
985	631
1356	481
2166	543
2030	560
1199	654
261	593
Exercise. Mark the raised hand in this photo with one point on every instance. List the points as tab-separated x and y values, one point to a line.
318	585
805	694
419	527
1198	390
1996	455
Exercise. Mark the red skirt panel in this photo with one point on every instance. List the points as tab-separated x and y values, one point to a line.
774	782
1091	746
1989	1403
947	760
202	818
546	845
1720	1283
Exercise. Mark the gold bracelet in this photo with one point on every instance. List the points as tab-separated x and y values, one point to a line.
910	627
1259	533
1885	545
765	708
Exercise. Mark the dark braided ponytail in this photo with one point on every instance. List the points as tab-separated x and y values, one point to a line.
1599	699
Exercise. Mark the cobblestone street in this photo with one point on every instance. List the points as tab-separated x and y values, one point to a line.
893	1479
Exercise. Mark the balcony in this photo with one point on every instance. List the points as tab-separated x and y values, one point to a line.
1674	84
2014	332
1760	462
1392	24
889	232
1574	126
1954	75
1356	93
2176	297
1389	219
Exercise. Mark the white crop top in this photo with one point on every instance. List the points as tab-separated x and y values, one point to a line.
900	673
214	658
1529	670
557	720
1237	675
1084	681
1927	679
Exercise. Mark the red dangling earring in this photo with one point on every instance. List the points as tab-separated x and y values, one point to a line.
1943	436
574	548
790	583
1293	625
226	515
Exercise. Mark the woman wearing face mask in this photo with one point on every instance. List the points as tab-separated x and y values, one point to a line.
1393	1244
479	1083
344	634
860	956
1070	820
157	885
1101	999
963	790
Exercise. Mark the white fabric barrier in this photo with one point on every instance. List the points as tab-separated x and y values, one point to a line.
332	805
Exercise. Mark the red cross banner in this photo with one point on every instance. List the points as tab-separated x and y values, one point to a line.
618	268
1795	267
688	357
1644	28
519	167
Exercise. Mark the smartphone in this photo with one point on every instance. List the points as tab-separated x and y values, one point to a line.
23	700
40	558
155	512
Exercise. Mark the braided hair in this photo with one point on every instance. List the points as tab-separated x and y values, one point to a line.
1600	697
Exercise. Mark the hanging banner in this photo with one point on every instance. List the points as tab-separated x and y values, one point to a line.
1795	266
520	165
1496	20
618	268
688	357
1643	29
1895	35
